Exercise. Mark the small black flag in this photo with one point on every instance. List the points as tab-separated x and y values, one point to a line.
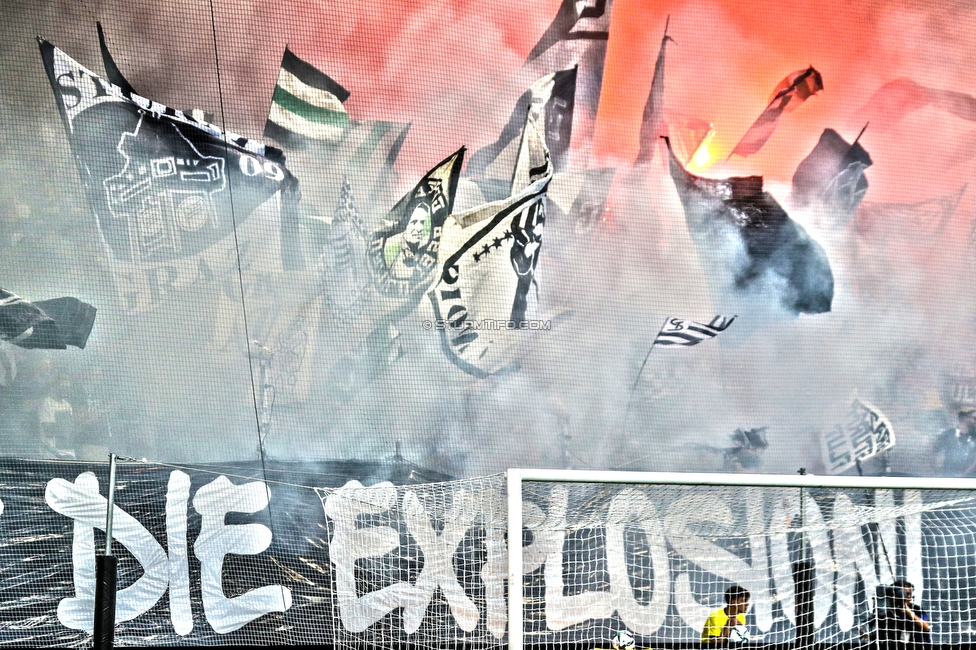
47	324
788	94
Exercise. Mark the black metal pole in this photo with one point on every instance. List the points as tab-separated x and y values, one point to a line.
803	577
803	582
106	575
106	572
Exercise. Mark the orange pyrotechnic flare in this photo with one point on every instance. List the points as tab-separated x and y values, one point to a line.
703	156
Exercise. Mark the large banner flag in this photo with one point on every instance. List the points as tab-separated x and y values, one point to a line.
654	108
866	432
577	37
832	175
115	76
907	230
486	295
402	255
47	324
551	99
307	103
679	331
165	187
897	99
749	245
787	96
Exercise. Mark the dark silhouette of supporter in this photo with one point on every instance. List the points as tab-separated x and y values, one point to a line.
902	625
956	447
56	422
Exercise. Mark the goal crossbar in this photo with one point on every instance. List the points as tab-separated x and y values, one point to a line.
515	478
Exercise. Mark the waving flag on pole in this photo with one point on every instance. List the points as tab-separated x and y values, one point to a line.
678	331
487	295
578	36
898	98
773	254
865	433
788	94
401	256
308	118
160	183
553	97
832	175
46	324
654	108
307	103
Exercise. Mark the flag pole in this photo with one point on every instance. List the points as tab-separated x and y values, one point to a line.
630	399
106	576
646	357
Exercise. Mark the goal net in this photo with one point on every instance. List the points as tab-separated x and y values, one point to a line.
428	565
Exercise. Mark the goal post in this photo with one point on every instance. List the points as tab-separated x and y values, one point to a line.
865	548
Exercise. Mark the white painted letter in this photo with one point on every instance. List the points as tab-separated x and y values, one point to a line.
213	501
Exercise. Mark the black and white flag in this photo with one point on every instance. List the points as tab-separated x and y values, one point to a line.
551	99
832	177
403	252
47	324
161	185
750	246
402	256
486	296
866	432
577	36
678	331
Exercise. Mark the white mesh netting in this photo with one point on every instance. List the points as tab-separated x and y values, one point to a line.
247	556
428	564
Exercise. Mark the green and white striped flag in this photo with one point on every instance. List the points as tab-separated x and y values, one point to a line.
307	103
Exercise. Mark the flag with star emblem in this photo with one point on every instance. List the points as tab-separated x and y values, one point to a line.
160	183
486	295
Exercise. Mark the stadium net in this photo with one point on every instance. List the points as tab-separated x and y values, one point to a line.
825	560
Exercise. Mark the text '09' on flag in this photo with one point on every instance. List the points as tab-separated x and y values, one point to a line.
678	331
164	186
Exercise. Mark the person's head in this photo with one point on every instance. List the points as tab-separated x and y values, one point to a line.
967	420
736	600
417	226
907	587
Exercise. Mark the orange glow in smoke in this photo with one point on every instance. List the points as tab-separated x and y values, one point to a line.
704	156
